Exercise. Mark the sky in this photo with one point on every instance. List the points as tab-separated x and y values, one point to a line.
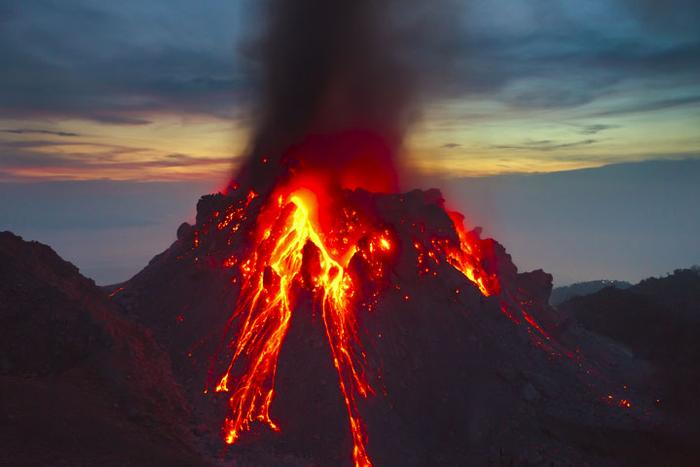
158	90
121	97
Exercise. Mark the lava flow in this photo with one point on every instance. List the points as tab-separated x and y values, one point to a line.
291	254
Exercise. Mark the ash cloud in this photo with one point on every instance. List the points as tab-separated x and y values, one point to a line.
326	67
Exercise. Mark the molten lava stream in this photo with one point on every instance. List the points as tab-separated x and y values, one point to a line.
265	304
469	256
291	251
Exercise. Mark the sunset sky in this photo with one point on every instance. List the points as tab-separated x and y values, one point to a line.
157	90
116	116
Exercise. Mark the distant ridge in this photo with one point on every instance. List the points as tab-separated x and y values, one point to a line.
658	320
564	293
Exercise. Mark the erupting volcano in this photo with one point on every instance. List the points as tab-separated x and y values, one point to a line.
316	246
340	323
310	297
319	311
337	261
313	267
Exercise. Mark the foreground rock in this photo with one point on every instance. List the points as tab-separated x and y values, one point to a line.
79	384
658	320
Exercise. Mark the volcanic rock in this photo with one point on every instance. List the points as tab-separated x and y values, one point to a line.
658	320
80	385
459	378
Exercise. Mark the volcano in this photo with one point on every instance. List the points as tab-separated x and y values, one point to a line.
315	314
316	323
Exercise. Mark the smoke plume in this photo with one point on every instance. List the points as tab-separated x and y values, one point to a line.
334	68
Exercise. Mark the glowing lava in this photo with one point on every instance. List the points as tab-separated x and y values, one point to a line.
470	257
291	253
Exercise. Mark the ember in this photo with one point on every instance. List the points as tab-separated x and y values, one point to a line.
293	251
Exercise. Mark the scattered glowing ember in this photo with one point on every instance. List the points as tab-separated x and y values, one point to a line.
116	291
292	250
621	403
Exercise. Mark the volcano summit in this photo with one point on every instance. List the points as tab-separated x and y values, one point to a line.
378	331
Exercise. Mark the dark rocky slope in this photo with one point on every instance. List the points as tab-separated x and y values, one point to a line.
79	384
658	320
459	378
457	381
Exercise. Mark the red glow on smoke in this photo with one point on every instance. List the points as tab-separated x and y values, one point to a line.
307	237
350	159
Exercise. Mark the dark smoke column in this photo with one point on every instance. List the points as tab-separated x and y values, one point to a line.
334	97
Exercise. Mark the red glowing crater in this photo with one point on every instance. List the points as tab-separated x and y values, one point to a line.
306	237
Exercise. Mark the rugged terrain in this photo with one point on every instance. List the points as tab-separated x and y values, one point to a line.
658	320
458	377
81	385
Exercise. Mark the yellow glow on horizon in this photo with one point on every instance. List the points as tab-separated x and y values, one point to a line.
465	138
